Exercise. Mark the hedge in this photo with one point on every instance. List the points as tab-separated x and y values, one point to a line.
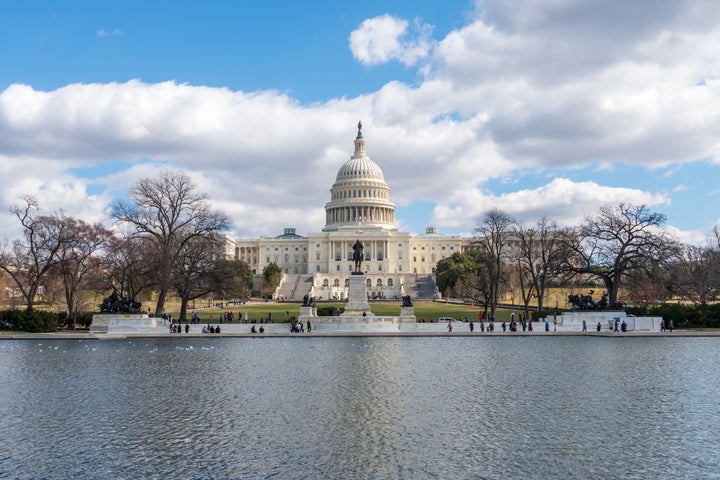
34	321
702	315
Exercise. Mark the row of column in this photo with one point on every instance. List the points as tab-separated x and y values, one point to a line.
360	214
373	247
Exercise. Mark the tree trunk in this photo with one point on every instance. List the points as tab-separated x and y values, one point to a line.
183	308
32	291
160	307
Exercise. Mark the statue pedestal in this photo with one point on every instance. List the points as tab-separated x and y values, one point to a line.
407	314
357	304
308	312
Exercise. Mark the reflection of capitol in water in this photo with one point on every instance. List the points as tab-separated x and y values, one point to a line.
396	263
365	404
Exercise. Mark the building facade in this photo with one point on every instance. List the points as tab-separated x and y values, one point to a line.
396	263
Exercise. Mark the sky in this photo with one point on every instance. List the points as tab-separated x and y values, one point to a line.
541	108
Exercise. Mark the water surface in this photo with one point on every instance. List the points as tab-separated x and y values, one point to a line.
365	408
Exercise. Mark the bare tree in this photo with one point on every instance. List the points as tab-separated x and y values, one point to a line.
195	269
696	274
28	260
168	212
617	241
538	258
78	259
127	267
492	236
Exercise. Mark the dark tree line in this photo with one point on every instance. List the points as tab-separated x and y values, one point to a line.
174	242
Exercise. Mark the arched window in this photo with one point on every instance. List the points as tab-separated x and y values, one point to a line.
368	282
336	283
390	282
347	282
326	283
379	282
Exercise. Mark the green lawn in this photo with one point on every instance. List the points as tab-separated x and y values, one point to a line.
280	312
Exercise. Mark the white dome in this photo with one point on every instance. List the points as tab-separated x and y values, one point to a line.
360	195
360	168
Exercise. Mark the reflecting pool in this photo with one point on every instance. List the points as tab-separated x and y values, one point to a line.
360	408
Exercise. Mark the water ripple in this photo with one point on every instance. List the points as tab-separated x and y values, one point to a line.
360	408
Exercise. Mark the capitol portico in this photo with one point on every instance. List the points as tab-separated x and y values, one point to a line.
396	263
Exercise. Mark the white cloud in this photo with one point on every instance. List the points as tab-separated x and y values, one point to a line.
540	85
563	200
385	38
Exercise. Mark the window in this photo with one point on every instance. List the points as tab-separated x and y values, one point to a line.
368	282
337	267
347	282
379	282
317	268
390	282
287	258
326	283
317	256
336	283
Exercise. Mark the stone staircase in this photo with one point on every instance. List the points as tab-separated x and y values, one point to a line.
294	287
286	287
302	287
425	286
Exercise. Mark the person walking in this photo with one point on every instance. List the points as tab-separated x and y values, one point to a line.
449	327
584	326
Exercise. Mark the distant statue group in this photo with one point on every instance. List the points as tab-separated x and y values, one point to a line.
586	302
407	301
117	304
308	301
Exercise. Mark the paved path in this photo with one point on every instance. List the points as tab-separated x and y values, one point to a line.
123	336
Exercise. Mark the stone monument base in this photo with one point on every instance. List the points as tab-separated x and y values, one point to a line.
122	323
357	316
572	321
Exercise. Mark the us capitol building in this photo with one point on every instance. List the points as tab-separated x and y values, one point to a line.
319	265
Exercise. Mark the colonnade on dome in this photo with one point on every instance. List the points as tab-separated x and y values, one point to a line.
359	214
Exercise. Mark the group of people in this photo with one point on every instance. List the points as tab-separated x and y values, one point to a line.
178	328
211	329
297	326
